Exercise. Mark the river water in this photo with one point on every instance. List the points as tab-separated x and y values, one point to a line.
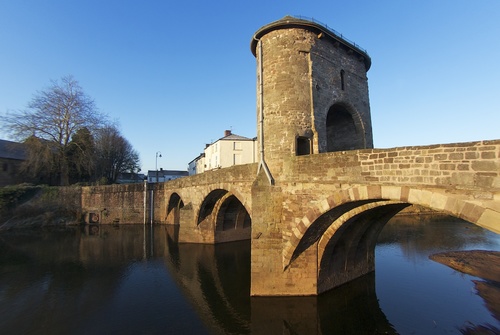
136	280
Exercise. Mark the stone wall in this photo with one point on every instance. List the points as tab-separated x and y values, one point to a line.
474	166
339	80
114	203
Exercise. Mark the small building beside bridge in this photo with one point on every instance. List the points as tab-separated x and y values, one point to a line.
227	151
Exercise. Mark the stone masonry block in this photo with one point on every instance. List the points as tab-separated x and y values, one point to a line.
438	201
462	178
363	192
487	148
440	157
463	167
488	155
456	156
471	155
374	192
391	192
484	166
490	220
420	197
447	166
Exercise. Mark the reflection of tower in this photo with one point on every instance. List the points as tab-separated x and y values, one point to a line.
312	92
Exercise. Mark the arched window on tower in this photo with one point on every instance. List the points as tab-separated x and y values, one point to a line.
342	130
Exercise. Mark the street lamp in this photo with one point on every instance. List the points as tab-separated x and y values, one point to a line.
158	154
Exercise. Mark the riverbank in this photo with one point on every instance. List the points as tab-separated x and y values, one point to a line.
36	206
479	263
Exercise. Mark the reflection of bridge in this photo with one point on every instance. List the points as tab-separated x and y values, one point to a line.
308	205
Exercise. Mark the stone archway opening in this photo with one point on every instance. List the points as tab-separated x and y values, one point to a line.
318	228
208	206
175	204
350	252
225	216
343	131
233	223
232	215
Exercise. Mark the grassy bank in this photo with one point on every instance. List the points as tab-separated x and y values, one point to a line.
27	205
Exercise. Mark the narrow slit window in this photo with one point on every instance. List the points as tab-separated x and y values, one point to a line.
342	79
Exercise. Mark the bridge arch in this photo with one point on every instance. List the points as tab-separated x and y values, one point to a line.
232	214
208	206
347	249
228	216
355	203
175	204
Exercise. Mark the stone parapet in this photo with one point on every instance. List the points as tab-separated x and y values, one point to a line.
473	166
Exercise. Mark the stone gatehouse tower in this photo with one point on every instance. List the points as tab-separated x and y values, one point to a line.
312	92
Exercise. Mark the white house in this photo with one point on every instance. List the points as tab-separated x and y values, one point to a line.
197	165
227	151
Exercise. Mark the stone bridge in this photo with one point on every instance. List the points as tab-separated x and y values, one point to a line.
319	195
316	227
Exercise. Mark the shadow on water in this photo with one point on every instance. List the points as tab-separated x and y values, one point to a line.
216	279
349	309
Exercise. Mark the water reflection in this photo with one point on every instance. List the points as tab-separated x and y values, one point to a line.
350	309
420	236
138	280
423	297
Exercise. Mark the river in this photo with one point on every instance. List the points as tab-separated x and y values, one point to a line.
135	280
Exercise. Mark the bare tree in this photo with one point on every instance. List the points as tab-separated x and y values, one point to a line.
53	116
114	154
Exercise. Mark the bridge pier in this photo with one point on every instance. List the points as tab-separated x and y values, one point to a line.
268	276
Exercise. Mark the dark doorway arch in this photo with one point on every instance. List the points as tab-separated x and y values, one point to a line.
343	131
175	204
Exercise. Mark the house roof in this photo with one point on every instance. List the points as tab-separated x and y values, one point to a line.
12	150
197	158
162	173
234	137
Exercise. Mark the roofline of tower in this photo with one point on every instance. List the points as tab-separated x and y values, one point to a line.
293	22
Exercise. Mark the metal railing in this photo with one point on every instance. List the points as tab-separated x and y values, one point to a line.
333	31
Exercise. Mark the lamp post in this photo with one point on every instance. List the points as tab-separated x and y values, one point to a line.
158	154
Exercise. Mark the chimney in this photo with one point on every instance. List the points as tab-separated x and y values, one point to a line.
227	133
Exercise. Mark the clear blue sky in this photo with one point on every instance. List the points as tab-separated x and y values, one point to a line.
175	75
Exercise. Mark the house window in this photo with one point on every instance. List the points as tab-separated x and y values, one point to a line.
303	146
237	145
5	167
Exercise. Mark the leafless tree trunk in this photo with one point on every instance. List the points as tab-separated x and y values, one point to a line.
53	116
